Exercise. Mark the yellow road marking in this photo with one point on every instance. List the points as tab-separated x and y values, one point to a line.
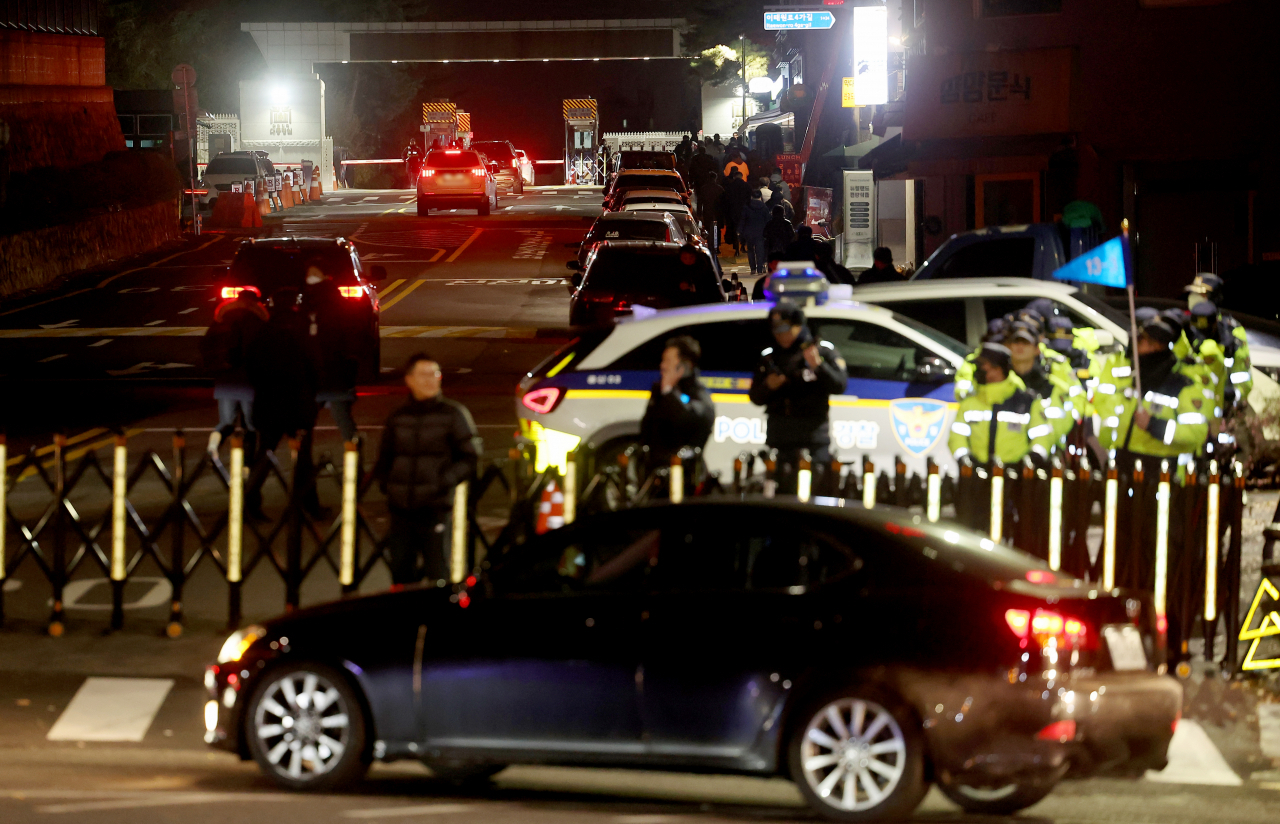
158	262
464	246
75	454
405	292
382	293
439	254
74	439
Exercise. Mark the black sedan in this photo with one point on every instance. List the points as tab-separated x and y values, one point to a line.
863	654
620	275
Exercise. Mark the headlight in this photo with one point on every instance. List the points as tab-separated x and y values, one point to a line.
239	642
210	716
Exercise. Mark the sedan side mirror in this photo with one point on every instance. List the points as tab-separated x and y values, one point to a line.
576	280
574	266
377	273
934	370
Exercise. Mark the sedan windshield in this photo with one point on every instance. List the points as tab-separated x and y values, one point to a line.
657	273
628	230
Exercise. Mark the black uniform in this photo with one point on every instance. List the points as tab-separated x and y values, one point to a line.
679	418
798	410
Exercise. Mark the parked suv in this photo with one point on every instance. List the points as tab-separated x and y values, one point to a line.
507	175
456	178
232	167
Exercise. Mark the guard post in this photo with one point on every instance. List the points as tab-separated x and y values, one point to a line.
458	542
119	489
350	483
235	530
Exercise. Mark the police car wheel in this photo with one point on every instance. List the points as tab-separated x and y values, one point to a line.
857	754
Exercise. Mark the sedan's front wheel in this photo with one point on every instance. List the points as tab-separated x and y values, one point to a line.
857	754
305	728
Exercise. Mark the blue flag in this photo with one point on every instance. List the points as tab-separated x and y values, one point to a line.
1106	265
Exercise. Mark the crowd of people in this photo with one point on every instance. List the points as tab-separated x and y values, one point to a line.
1037	386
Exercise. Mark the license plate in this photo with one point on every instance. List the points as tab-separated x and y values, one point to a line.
1125	645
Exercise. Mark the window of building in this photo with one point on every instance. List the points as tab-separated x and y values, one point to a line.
127	123
154	124
1006	199
1008	8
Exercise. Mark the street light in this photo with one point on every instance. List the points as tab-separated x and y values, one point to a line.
760	85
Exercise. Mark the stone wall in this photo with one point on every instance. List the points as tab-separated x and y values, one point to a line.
33	259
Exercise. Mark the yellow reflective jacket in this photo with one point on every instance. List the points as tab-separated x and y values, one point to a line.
1000	420
1180	406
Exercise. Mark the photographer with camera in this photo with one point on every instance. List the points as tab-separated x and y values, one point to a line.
793	381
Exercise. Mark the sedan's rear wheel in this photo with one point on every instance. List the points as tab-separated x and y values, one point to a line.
858	755
484	208
305	728
997	800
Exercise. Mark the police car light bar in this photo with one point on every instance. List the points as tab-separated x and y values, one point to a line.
798	281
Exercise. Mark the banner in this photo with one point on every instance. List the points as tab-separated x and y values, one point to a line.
1106	265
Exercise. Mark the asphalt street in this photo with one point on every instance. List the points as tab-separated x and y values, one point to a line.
117	348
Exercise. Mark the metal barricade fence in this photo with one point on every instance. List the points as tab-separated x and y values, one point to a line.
1173	531
181	512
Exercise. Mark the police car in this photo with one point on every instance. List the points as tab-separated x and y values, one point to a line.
899	399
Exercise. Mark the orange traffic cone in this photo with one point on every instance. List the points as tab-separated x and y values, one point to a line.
550	509
286	192
252	218
260	194
314	194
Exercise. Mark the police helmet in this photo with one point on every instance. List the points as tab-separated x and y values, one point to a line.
1043	307
1204	315
1061	328
1206	284
1145	314
997	328
1159	330
1021	330
997	355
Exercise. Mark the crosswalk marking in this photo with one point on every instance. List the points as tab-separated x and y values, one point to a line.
1193	759
111	709
405	812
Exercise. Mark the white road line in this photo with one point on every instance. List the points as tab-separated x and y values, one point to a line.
102	342
645	819
185	311
111	709
1193	759
130	803
371	197
155	323
405	812
51	358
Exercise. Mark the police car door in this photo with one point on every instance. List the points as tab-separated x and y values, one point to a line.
888	410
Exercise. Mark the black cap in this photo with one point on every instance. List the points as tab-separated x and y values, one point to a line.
1021	330
1059	324
1043	307
1159	330
996	354
1144	314
789	313
1205	283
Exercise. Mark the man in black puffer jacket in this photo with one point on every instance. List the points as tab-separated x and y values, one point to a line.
429	446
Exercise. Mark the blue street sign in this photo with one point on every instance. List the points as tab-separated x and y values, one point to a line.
784	20
1105	265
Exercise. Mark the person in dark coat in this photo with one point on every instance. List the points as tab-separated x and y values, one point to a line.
680	411
824	258
224	349
751	227
736	194
710	201
330	333
776	198
700	165
882	270
794	381
778	232
805	247
429	446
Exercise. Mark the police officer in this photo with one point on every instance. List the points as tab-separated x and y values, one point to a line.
680	411
997	331
1172	417
1001	419
1212	324
412	161
1062	339
794	380
1055	397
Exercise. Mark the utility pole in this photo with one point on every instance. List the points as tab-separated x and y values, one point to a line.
742	55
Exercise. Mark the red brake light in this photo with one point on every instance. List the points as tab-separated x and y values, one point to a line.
428	172
478	171
542	400
515	164
233	292
1060	731
1019	620
1040	576
453	151
1046	623
351	291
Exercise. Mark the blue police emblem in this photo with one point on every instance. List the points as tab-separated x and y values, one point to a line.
918	423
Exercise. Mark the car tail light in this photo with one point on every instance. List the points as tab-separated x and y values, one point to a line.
351	291
515	164
621	305
453	151
598	297
688	258
1040	576
542	400
1049	628
478	171
1060	731
428	172
233	292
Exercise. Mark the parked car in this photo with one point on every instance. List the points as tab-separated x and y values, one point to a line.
621	274
630	160
613	226
232	167
272	266
507	172
1029	251
655	197
863	654
647	179
457	179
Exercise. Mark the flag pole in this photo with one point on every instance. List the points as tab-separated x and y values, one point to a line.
1133	314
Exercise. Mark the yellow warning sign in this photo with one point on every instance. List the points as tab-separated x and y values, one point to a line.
464	121
580	109
438	112
1270	626
846	93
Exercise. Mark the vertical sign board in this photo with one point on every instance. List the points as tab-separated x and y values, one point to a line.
870	55
859	208
792	168
846	93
